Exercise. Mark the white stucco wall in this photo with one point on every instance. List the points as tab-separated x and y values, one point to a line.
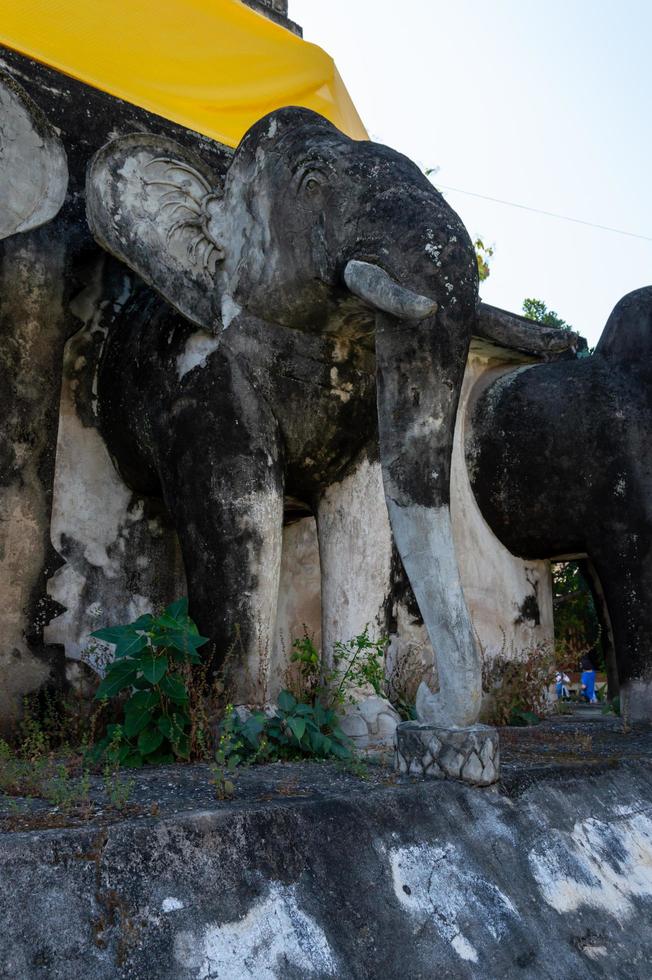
495	582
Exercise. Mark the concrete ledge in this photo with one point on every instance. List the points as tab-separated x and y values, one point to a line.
318	874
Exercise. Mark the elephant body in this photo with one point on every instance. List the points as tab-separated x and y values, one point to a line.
560	464
236	437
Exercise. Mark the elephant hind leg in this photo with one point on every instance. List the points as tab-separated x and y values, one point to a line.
626	578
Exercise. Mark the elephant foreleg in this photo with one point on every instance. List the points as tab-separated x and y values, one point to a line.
228	511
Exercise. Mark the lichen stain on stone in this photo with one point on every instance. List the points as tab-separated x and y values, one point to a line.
599	865
275	931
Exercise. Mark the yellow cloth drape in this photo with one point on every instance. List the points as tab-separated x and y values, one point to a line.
215	66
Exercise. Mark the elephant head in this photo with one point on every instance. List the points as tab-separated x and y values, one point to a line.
320	233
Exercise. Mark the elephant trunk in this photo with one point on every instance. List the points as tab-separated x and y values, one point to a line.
420	360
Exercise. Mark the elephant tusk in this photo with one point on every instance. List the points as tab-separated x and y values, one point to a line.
373	285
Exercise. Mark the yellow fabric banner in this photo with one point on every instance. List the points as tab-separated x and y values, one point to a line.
215	66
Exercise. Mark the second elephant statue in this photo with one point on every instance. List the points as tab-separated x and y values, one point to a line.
560	463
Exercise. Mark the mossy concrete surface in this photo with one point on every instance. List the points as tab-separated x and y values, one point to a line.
311	871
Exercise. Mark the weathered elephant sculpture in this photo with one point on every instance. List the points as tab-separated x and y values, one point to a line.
328	295
561	465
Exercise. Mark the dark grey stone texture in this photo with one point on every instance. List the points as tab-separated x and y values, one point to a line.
313	873
276	10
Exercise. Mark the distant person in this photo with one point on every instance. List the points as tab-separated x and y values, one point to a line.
562	681
587	692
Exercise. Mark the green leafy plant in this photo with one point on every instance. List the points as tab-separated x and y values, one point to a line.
483	255
295	730
356	663
228	756
118	790
62	791
577	628
150	654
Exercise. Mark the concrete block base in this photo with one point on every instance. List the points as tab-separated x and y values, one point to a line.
471	754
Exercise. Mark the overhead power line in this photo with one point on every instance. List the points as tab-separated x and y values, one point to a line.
549	214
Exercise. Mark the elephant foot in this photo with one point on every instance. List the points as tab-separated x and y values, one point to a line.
636	701
449	708
371	725
471	754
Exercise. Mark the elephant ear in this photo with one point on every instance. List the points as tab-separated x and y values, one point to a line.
147	201
33	164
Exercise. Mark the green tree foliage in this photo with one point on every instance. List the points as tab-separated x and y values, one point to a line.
577	628
536	309
483	255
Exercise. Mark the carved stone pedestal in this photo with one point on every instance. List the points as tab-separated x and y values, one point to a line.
471	754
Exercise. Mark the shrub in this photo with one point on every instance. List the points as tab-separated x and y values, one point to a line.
356	663
294	730
408	670
150	655
519	685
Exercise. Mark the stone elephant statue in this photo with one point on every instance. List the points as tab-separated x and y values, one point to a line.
560	464
328	295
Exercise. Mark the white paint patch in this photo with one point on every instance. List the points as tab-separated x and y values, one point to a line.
599	865
230	310
342	389
464	949
594	952
275	932
436	884
171	905
199	347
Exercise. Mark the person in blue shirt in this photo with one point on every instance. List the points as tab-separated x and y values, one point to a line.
587	692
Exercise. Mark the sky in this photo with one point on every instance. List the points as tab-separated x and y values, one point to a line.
545	105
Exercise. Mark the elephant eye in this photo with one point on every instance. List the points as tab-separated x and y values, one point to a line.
312	181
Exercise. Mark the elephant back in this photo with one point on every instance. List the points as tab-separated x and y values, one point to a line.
627	336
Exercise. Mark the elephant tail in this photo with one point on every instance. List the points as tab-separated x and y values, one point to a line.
627	335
